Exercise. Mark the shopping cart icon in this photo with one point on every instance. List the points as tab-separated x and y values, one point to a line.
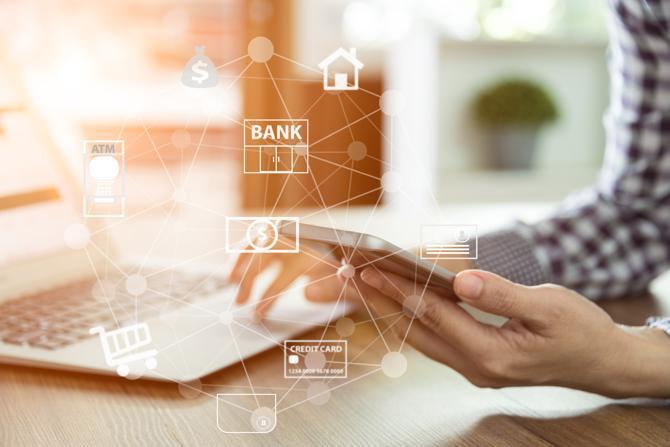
118	346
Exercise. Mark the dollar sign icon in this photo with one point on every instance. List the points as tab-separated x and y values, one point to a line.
198	69
262	234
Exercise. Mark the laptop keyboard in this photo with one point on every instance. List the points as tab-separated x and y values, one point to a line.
62	316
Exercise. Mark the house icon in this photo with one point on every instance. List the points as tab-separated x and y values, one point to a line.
344	66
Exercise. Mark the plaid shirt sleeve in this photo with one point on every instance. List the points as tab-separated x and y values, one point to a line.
613	238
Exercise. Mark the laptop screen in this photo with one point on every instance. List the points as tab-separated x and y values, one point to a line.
36	207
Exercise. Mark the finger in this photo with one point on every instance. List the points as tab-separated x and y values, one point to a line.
442	316
284	279
378	304
400	288
240	265
389	284
329	286
323	286
492	293
421	337
254	267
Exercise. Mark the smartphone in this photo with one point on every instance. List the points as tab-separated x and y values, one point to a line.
368	250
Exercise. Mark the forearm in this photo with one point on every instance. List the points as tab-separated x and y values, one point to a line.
596	248
637	365
646	369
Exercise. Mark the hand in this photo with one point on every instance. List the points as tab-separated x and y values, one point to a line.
554	336
319	265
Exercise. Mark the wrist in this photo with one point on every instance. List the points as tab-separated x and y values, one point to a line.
642	366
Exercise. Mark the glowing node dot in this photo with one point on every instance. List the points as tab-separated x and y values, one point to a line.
357	150
394	364
181	138
318	393
136	284
260	49
315	360
133	372
345	327
262	419
190	390
346	271
226	318
392	102
77	236
300	150
391	181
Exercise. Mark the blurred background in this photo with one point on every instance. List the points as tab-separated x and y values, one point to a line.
501	100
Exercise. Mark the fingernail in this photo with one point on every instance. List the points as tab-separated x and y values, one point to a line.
371	278
469	285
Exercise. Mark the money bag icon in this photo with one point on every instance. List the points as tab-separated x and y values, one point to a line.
199	72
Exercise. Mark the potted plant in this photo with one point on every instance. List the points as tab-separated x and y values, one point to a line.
511	113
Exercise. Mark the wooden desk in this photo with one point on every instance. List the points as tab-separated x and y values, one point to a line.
429	405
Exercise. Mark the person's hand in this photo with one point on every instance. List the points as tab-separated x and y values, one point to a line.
554	336
319	265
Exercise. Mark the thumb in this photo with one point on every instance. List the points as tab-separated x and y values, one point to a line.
492	293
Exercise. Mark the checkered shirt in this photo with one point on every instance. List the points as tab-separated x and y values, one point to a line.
612	239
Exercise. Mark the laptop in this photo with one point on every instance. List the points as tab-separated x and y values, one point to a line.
67	307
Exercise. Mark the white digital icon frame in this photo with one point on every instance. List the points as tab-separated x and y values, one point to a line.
295	149
105	175
120	346
446	247
341	79
287	360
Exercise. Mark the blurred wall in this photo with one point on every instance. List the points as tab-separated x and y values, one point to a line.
288	86
569	152
574	74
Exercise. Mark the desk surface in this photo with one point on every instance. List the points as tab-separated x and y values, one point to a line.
429	405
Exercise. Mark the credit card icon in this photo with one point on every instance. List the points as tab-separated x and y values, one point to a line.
315	359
